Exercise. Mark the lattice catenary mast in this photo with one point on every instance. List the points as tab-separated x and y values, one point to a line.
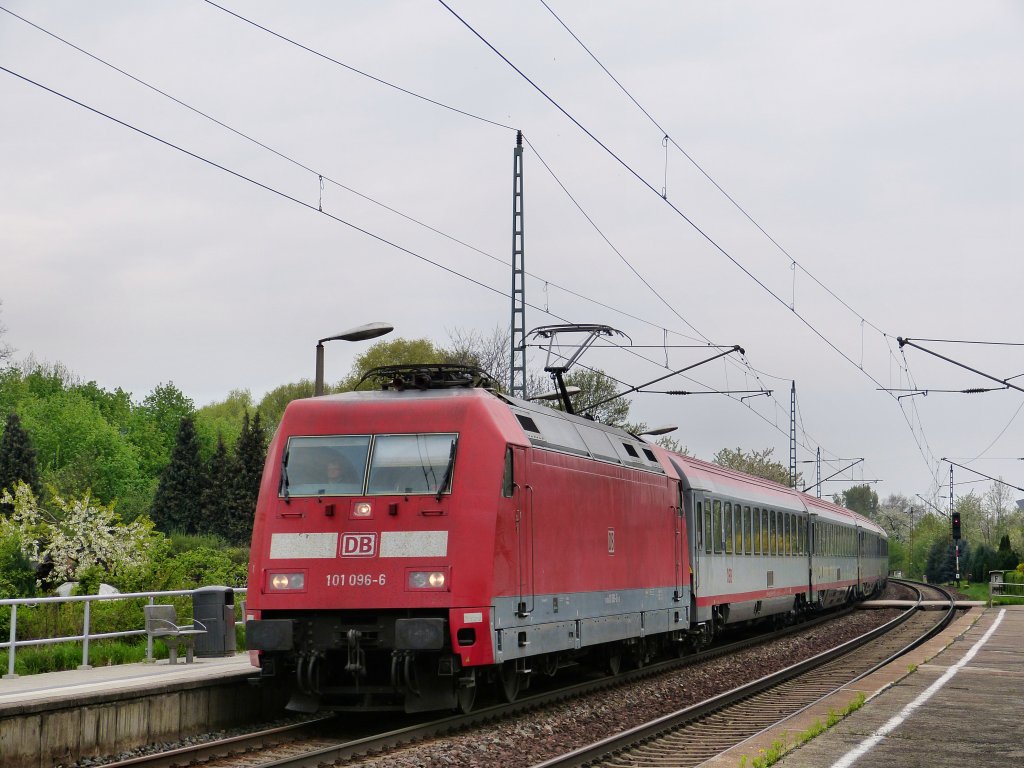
517	371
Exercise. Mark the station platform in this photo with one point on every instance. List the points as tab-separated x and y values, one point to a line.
59	718
953	701
85	686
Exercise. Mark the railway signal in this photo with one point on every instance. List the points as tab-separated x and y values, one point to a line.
956	525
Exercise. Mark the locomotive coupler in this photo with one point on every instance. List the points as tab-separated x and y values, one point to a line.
356	655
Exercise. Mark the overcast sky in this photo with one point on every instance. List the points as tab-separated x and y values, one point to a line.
878	144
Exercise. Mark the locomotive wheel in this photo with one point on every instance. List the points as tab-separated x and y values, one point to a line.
614	663
466	695
509	681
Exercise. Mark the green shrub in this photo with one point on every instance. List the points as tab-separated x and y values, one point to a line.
37	659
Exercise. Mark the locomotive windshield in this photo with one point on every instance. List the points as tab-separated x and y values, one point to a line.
357	465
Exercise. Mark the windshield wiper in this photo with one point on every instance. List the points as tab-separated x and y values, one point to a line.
284	478
448	470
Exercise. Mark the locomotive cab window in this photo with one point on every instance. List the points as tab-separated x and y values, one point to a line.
332	465
412	464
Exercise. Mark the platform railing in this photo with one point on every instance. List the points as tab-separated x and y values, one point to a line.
1000	588
86	634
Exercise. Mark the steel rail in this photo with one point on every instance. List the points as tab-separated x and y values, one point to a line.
621	744
220	749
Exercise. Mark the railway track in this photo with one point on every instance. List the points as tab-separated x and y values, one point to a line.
346	738
698	733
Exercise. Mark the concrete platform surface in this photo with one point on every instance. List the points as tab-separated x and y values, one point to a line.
28	693
956	700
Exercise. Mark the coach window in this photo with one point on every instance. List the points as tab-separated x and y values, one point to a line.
756	532
728	528
716	525
748	537
764	532
709	528
698	520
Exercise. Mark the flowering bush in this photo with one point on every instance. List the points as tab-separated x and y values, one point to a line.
77	538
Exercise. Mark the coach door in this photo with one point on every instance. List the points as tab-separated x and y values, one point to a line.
698	523
679	514
522	494
812	543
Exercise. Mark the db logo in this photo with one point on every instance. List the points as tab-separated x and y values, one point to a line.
359	545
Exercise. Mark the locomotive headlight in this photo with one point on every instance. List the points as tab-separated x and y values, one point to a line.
427	580
283	581
362	509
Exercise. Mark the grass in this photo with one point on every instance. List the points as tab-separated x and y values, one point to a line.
58	657
779	747
36	659
979	591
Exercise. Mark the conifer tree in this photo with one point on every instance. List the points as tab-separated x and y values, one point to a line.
218	493
177	505
18	458
250	453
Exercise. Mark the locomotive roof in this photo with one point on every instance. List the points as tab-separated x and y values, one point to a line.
557	430
569	433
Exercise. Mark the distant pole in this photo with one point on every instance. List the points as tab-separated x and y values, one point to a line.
950	491
792	439
910	559
517	372
956	543
818	478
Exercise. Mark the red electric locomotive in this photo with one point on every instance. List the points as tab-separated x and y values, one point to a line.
414	543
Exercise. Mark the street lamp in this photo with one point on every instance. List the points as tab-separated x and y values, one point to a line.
361	333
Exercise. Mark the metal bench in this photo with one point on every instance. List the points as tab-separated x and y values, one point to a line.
162	622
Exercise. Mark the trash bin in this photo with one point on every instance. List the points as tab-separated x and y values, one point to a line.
214	608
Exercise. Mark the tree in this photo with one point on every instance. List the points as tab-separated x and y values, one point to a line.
17	457
595	386
78	537
250	455
177	504
758	463
6	350
859	498
155	426
939	567
397	352
1006	558
78	449
489	353
982	560
218	494
272	406
222	418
